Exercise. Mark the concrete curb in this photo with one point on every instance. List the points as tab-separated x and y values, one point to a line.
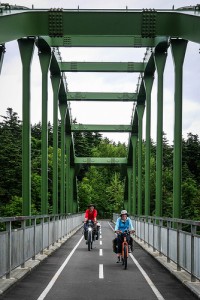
19	272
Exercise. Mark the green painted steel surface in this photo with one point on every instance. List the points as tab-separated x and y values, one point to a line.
59	23
113	28
102	67
92	96
101	160
103	41
101	128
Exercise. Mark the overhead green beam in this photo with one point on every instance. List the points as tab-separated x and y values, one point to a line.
58	23
102	66
103	41
93	96
101	160
100	128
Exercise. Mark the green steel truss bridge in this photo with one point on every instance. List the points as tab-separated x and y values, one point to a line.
49	30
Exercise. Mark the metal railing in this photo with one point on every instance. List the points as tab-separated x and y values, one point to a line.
177	239
22	238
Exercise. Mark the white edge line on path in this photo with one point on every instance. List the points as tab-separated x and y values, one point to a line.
55	277
150	283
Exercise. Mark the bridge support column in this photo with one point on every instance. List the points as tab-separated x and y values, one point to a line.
140	110
129	173
45	58
178	47
148	81
63	108
134	139
160	60
56	80
68	187
72	173
26	47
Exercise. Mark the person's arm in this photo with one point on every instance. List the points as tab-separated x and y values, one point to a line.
131	228
117	226
86	216
95	215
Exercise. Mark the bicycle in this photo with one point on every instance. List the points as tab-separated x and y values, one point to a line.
90	234
124	255
125	247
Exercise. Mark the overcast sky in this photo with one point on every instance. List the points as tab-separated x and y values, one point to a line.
97	112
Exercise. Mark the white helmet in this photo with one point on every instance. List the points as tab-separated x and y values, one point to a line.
124	212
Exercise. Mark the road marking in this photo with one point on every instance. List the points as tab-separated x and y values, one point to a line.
150	283
100	236
101	276
55	277
100	252
100	242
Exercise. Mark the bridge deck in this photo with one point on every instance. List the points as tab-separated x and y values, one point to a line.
79	277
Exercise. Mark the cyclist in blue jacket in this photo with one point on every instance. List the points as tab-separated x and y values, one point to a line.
123	223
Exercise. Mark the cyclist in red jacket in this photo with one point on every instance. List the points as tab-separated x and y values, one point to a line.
91	214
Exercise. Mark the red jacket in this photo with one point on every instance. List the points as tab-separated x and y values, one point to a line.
90	215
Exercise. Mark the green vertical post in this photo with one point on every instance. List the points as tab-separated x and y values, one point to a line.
45	58
160	60
134	139
129	173
63	107
178	48
72	173
148	81
26	47
68	144
56	80
140	111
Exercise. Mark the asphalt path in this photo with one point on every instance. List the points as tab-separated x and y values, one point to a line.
72	272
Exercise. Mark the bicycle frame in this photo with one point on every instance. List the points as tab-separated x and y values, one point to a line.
124	243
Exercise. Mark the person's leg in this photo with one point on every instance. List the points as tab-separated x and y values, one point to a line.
85	231
119	247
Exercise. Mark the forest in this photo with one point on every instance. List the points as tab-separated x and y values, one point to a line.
103	186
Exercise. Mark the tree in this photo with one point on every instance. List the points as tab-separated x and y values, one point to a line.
10	156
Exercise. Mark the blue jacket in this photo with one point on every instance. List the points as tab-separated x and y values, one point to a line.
122	226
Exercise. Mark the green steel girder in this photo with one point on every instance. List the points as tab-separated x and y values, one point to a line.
101	161
95	96
103	41
145	23
100	128
102	66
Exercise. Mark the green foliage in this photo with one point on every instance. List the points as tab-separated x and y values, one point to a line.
10	157
103	185
14	208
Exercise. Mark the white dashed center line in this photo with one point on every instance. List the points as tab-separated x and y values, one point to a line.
101	271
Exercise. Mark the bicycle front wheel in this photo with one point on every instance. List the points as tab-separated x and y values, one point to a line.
89	240
125	256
